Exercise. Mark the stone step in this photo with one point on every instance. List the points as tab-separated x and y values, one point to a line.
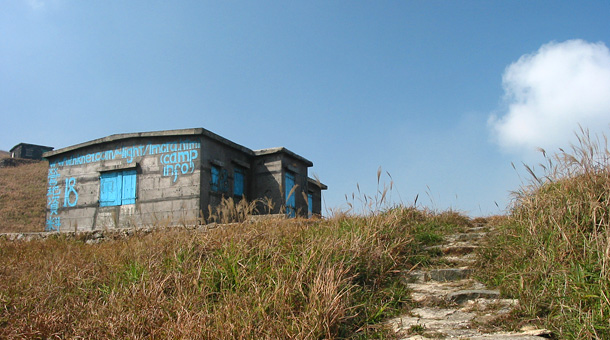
451	303
439	275
434	323
514	336
432	292
493	336
464	237
455	249
459	260
449	274
463	296
443	323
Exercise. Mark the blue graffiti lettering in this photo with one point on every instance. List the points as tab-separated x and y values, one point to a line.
70	191
53	221
53	176
53	224
178	163
177	158
129	153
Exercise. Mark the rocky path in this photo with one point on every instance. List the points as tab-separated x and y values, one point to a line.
451	304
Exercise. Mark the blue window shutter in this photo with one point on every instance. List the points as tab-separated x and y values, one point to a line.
118	188
290	196
129	187
310	204
110	189
239	182
224	181
215	178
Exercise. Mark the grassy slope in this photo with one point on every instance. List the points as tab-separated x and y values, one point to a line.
335	278
283	279
23	197
303	279
553	252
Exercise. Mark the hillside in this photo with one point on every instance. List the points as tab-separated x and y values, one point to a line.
23	197
335	278
272	279
4	154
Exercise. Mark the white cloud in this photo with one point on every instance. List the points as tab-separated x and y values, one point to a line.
550	92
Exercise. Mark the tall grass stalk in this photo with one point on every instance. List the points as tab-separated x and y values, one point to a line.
368	204
229	210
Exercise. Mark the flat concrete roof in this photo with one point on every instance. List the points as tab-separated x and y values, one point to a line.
179	132
165	133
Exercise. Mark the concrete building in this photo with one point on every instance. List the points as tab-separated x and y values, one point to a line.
170	177
29	151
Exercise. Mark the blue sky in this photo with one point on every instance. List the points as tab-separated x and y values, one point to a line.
443	95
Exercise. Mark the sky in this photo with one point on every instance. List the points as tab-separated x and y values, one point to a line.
443	96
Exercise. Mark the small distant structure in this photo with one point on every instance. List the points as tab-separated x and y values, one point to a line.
173	177
29	151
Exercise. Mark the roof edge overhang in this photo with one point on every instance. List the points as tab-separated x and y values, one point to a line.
264	152
317	183
29	144
152	134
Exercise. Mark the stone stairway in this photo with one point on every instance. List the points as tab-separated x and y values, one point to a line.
451	304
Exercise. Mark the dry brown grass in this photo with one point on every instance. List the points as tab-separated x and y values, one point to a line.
229	210
23	197
271	279
289	279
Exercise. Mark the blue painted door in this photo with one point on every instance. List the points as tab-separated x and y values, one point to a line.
290	195
110	189
128	192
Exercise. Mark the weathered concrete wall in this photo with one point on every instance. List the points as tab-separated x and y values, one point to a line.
266	183
227	158
300	170
315	189
269	177
167	187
